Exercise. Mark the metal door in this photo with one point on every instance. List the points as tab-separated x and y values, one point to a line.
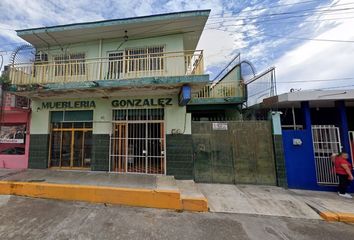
138	141
326	141
240	153
70	145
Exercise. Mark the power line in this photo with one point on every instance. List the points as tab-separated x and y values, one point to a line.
271	6
316	9
312	39
230	31
335	87
313	80
296	38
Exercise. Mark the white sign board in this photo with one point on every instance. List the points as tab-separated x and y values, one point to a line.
220	126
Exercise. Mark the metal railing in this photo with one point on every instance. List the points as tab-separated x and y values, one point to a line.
110	68
221	90
260	87
326	141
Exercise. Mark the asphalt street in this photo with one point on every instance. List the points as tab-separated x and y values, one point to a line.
28	218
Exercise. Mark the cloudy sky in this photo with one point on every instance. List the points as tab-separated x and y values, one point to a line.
311	43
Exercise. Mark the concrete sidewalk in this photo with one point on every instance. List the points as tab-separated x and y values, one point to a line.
255	199
102	187
328	205
166	192
275	201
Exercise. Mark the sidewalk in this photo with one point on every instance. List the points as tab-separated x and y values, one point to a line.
255	199
166	192
328	205
101	187
276	201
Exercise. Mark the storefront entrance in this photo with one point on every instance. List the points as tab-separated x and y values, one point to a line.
70	144
138	141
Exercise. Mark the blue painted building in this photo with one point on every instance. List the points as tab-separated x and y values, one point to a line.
315	124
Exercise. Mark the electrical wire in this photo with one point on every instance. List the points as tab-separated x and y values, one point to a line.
270	6
244	24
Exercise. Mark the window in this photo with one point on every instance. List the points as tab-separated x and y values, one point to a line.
115	65
70	64
145	59
71	116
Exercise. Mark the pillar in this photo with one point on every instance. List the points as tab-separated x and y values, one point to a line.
278	149
343	126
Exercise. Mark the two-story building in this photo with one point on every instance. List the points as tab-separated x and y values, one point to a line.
111	95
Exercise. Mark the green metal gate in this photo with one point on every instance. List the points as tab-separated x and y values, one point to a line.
233	152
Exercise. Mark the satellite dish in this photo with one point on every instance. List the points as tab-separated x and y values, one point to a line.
23	54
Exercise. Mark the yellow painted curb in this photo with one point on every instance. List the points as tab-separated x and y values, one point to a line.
346	217
195	204
98	194
329	216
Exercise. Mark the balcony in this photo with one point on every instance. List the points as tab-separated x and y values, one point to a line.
220	93
117	66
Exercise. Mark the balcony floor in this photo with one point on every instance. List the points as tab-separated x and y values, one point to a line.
113	88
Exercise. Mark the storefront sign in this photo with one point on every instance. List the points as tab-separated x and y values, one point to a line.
150	102
12	134
68	104
220	126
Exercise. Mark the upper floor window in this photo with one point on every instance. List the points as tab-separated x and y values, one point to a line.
144	59
70	64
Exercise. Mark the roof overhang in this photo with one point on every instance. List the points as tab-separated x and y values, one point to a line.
316	98
189	23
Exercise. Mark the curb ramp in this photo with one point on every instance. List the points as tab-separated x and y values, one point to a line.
331	216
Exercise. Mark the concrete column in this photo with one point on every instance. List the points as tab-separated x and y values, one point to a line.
306	111
278	149
343	124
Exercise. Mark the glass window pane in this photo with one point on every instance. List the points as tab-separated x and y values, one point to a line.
57	116
83	116
87	149
66	149
55	149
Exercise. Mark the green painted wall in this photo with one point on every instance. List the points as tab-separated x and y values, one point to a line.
234	76
176	117
174	64
91	49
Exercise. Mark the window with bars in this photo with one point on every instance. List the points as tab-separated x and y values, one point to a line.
70	64
143	59
138	114
115	65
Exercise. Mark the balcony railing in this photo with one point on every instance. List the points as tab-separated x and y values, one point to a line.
221	90
112	68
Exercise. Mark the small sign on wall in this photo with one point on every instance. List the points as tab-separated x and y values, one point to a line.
12	134
220	126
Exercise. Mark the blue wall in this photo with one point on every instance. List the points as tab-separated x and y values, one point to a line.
300	163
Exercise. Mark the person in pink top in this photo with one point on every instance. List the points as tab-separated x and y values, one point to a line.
343	170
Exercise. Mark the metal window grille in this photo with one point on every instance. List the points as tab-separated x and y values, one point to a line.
326	141
115	65
137	143
143	59
70	64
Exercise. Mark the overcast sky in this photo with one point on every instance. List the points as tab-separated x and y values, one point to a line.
265	32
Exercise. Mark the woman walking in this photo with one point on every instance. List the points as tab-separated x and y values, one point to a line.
344	172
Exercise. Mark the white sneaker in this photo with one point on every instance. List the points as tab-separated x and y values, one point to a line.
346	195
